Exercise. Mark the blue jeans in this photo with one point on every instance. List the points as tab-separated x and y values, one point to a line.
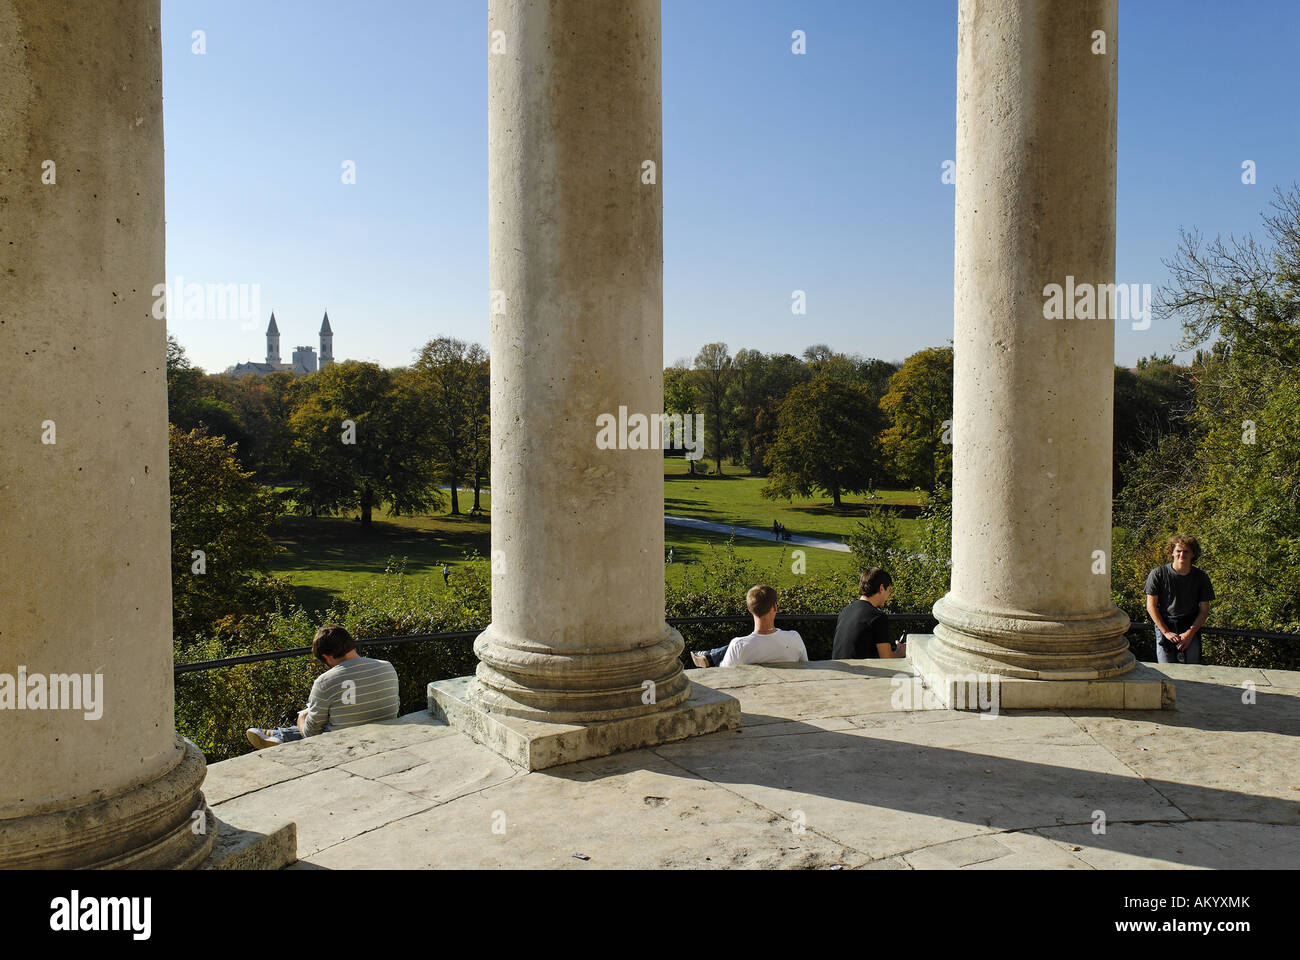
286	734
1166	652
716	654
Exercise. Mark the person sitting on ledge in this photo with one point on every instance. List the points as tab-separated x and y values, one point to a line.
766	644
862	631
1178	601
352	691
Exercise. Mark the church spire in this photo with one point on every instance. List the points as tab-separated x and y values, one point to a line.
273	342
326	342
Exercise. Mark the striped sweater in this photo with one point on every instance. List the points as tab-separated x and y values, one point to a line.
360	690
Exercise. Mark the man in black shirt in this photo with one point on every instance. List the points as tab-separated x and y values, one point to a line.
862	631
1178	601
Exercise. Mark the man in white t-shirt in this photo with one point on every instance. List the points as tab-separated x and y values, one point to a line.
766	644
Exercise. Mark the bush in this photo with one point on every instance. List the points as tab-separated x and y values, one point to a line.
719	590
922	574
215	707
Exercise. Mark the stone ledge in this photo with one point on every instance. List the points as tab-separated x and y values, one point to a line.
240	849
536	744
1142	688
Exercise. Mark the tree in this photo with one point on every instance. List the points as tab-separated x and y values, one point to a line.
918	403
823	361
679	396
826	440
449	377
480	436
221	524
713	373
1231	479
359	440
749	368
1149	405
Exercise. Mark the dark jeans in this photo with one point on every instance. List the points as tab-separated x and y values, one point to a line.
1166	652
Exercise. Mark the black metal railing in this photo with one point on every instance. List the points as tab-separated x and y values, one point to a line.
464	635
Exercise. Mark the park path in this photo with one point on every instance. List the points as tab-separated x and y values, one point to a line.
796	540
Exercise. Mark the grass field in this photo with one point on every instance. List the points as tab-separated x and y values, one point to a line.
324	555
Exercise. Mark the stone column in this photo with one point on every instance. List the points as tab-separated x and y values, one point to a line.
576	241
84	505
576	233
1035	206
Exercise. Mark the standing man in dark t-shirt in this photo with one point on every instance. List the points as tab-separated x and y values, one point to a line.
862	631
1178	601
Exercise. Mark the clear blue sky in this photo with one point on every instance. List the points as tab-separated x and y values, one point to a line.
780	172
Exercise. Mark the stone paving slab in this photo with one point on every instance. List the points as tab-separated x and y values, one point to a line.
891	789
1220	845
341	746
825	772
328	806
639	811
246	774
772	703
1000	851
1283	679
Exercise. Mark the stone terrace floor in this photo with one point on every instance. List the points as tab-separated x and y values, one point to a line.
825	772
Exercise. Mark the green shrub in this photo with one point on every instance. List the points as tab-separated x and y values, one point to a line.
215	707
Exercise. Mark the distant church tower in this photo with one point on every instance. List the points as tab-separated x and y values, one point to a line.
326	342
273	342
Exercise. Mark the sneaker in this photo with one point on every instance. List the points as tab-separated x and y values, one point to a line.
699	659
260	738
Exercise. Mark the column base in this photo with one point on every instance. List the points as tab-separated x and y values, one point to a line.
1026	645
538	744
150	826
521	678
1140	688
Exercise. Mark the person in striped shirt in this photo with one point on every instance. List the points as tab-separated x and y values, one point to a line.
354	690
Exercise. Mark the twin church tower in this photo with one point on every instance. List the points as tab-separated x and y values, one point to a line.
304	358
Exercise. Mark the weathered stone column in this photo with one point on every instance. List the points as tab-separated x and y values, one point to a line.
1035	206
84	506
576	233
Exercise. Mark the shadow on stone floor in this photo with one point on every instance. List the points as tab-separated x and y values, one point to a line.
1024	776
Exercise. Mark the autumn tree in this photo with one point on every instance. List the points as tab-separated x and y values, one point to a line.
917	444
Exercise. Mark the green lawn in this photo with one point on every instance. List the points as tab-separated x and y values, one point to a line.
735	498
326	554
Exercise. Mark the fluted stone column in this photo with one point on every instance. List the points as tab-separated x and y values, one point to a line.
576	233
84	522
1035	205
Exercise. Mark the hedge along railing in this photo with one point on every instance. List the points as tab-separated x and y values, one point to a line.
711	621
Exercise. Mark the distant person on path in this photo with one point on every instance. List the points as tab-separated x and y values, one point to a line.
446	571
1178	601
670	554
776	530
354	690
862	631
766	644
